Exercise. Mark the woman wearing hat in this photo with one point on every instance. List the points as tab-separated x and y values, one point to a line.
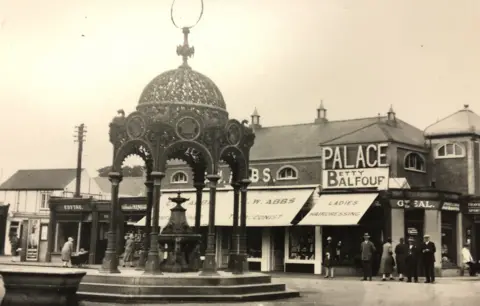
329	258
387	262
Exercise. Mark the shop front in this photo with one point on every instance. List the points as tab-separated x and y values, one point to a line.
415	213
270	212
471	219
84	220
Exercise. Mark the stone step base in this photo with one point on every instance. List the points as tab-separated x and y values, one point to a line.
102	288
127	298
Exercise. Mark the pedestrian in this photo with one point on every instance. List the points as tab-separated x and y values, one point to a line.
14	245
67	251
400	253
411	261
329	258
367	249
129	251
428	258
467	261
339	253
386	261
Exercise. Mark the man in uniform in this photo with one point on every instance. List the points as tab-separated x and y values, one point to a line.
411	261
428	257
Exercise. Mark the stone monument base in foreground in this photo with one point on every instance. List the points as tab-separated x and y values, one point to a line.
40	286
131	287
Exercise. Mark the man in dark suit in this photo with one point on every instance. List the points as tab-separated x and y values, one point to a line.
411	261
428	257
367	249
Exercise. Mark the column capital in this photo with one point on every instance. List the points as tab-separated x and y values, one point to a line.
149	184
213	177
199	185
236	185
157	177
115	177
244	183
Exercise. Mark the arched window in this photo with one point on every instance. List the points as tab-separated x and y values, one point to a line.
179	177
450	150
415	162
287	173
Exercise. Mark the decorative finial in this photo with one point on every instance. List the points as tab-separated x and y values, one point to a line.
321	105
391	109
465	106
185	51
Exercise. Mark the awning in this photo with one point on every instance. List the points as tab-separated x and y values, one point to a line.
264	207
222	199
267	208
339	209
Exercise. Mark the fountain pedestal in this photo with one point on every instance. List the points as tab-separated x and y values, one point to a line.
183	244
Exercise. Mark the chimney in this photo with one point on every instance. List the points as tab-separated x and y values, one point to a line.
391	116
255	120
321	114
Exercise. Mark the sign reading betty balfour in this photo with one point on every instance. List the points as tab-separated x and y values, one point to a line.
362	166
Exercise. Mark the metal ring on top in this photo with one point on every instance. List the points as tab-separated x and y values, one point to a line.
173	21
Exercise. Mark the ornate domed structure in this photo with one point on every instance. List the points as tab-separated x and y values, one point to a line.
181	115
182	86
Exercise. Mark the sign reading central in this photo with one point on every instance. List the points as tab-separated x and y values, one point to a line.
362	166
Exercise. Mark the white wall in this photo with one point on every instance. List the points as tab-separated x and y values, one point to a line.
88	187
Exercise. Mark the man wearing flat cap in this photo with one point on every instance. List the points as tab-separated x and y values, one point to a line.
367	250
428	258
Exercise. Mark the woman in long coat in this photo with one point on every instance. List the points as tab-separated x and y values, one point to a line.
401	251
387	262
67	251
129	251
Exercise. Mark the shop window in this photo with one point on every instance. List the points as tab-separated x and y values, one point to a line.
254	242
415	162
44	200
287	173
65	230
449	241
450	150
179	177
302	243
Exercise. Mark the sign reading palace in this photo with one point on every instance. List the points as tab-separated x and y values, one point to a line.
348	167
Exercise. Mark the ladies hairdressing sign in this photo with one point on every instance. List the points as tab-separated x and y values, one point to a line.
361	166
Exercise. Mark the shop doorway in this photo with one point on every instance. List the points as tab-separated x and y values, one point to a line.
414	224
85	238
226	234
278	248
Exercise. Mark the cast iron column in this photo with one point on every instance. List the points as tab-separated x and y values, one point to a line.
235	247
152	266
110	261
148	225
198	205
242	266
51	233
210	264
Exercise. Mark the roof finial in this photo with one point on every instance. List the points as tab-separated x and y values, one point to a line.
391	109
321	105
465	106
185	51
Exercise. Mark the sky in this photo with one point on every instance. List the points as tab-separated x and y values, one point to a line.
68	62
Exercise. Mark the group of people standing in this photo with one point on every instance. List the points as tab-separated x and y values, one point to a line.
407	259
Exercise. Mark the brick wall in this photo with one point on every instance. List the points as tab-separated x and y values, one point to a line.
451	174
414	178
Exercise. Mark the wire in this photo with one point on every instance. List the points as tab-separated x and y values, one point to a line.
173	21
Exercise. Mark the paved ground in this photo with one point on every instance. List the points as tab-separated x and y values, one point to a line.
352	292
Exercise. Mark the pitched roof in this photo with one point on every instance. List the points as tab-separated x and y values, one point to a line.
39	179
464	121
304	140
380	130
130	186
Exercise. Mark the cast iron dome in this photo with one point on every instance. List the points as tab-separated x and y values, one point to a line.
182	86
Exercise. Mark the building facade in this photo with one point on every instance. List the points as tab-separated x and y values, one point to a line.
27	194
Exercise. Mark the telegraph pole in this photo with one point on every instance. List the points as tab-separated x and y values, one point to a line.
80	138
